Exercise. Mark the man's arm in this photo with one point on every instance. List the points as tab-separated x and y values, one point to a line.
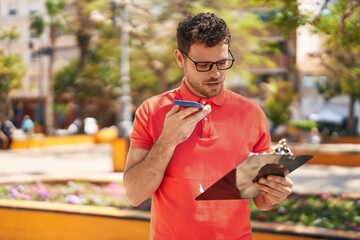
273	191
144	169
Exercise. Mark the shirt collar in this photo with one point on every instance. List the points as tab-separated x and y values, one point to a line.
186	94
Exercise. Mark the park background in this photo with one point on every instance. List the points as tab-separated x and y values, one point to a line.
68	60
62	62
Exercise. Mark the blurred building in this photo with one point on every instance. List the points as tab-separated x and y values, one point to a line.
29	99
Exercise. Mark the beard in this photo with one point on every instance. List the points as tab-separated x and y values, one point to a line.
208	88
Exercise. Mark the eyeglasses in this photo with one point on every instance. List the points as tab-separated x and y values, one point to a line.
207	66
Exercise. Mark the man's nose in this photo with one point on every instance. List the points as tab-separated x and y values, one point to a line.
214	71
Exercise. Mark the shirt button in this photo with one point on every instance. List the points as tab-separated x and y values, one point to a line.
204	102
206	119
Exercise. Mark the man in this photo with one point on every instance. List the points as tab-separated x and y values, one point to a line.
27	125
174	151
7	129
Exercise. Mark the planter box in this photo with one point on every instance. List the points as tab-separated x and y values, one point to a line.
276	231
43	221
330	154
353	140
23	220
47	141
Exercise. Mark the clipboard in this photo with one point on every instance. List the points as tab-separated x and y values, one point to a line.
238	183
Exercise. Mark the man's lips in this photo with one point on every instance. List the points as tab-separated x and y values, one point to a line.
213	83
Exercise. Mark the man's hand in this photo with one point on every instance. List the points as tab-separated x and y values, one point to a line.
180	123
273	191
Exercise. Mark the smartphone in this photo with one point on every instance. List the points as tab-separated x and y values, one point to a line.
184	103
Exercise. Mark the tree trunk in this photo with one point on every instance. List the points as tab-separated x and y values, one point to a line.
350	126
50	93
5	106
83	34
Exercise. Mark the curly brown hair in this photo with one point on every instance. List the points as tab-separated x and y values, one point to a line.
202	28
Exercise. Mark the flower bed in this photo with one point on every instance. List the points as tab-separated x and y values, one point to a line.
110	194
337	212
325	210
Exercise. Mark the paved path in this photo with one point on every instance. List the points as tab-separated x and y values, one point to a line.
95	161
77	160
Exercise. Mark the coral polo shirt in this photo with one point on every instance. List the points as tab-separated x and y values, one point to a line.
235	127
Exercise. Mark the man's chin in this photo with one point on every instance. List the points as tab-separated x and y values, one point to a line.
211	94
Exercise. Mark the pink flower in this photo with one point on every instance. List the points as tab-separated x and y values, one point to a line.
72	199
324	196
43	194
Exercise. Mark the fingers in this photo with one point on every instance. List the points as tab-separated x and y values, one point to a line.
200	113
183	113
189	111
274	180
275	188
271	199
173	110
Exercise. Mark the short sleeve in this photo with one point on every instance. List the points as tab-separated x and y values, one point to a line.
141	137
264	137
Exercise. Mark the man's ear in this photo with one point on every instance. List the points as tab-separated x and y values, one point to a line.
179	58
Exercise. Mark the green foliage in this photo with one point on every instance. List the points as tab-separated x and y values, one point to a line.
11	72
11	66
65	79
152	46
336	212
282	14
37	24
53	6
153	68
303	124
91	81
280	97
338	25
96	83
9	34
246	27
152	41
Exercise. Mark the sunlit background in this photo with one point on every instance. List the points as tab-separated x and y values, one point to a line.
79	70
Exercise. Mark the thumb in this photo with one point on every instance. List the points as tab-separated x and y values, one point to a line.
205	111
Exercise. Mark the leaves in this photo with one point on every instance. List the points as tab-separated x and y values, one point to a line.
37	25
320	210
280	97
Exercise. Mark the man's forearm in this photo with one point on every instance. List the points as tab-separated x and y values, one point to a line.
143	179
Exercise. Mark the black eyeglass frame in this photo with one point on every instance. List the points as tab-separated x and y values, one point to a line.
212	63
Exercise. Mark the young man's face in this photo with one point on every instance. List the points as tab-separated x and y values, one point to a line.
204	84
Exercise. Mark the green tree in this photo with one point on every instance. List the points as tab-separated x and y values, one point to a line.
90	80
95	87
56	22
338	24
11	72
152	42
280	96
8	36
